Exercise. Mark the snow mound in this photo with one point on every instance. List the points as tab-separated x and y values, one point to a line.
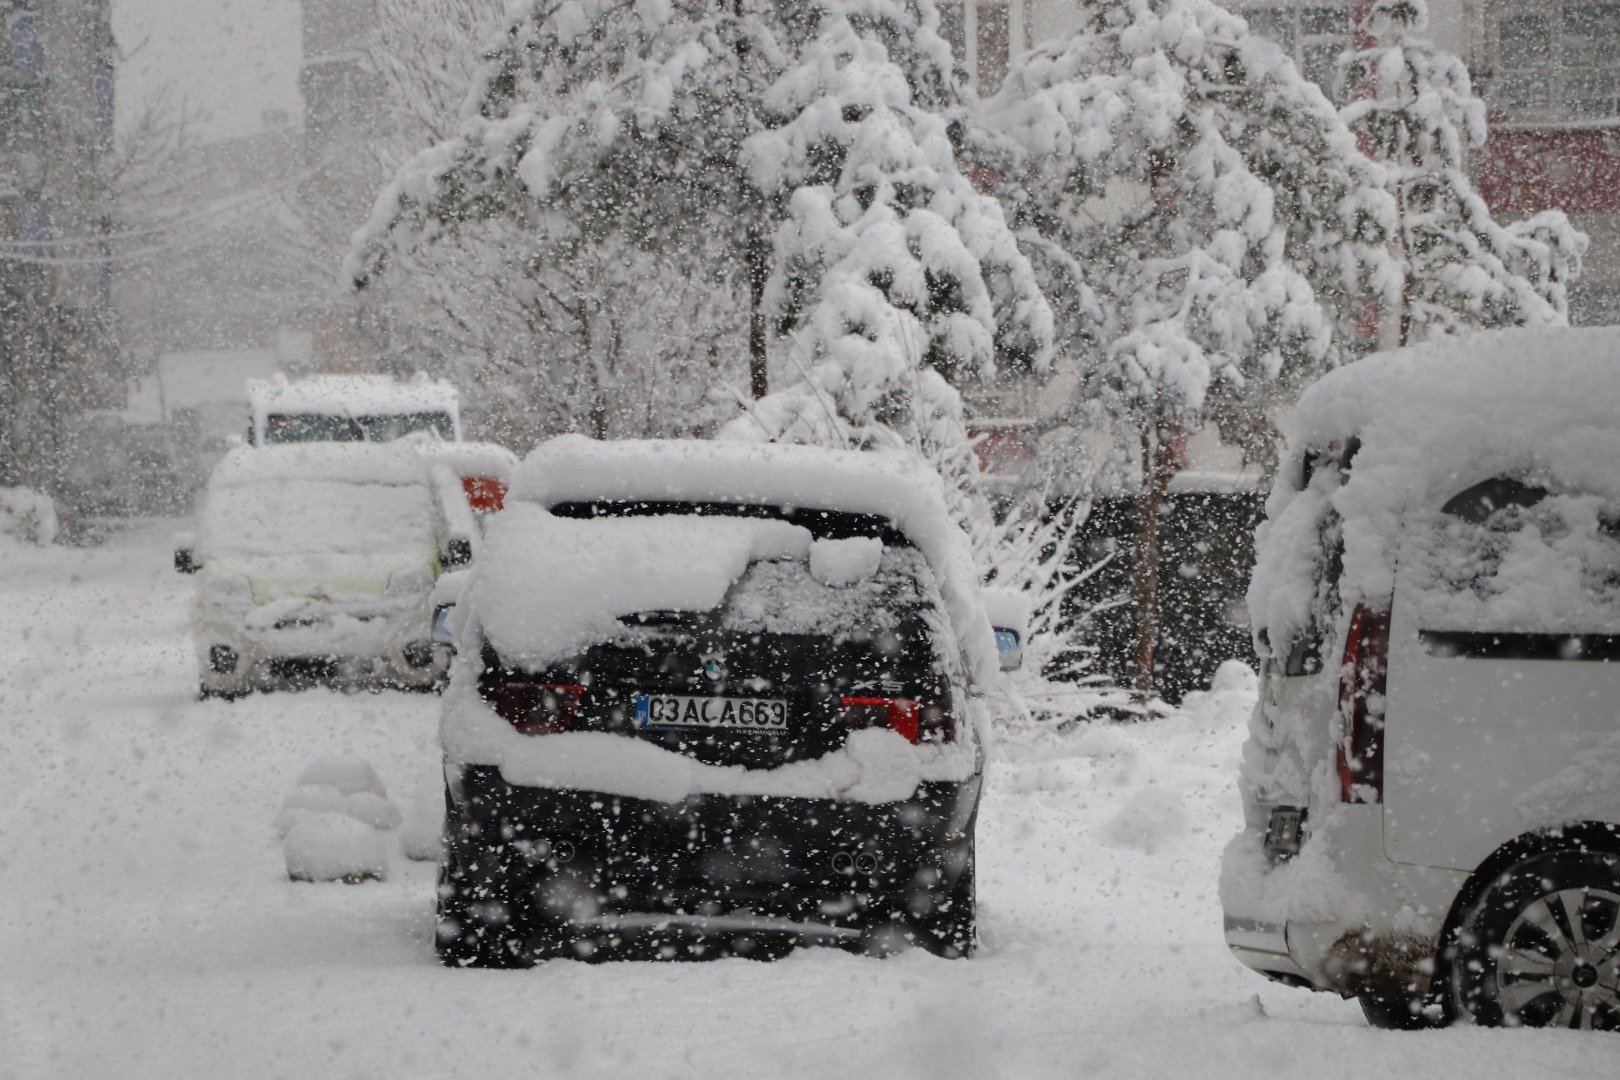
334	847
841	563
332	824
28	515
421	836
335	462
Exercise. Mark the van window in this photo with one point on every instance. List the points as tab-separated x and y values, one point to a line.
1509	556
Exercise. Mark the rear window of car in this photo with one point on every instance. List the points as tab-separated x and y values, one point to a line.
782	596
1508	555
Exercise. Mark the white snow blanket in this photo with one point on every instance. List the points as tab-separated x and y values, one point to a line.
28	515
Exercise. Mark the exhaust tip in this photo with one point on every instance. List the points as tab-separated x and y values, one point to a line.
866	864
843	862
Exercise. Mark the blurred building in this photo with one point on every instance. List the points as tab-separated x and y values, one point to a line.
57	353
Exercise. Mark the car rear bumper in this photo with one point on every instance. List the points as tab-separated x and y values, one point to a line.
808	868
1387	917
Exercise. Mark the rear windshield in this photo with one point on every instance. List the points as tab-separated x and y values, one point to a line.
783	597
318	427
1506	556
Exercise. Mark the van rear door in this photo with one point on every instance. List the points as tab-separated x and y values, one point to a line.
1504	671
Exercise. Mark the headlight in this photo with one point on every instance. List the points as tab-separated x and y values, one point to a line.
412	582
226	591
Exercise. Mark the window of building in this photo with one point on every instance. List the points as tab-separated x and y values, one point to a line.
979	33
1315	35
1554	61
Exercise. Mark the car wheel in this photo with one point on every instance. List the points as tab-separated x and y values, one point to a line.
951	928
475	924
1541	947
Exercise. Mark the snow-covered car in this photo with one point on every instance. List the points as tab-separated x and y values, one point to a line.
1432	779
713	698
351	408
317	562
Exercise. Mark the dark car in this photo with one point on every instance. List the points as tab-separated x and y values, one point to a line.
693	720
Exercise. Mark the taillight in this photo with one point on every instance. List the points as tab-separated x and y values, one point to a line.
909	718
1363	679
533	708
484	493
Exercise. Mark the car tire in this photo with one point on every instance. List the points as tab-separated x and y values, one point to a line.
1541	945
475	924
207	693
950	930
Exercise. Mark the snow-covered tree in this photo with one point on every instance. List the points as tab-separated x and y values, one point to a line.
1414	108
894	279
556	321
801	153
1217	208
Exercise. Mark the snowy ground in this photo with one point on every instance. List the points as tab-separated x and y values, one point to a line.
147	927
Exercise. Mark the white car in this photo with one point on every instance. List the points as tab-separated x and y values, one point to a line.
1432	780
317	563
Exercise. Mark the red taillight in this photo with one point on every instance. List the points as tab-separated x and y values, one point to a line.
907	717
534	708
485	493
1363	678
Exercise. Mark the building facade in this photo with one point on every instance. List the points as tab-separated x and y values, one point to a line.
57	352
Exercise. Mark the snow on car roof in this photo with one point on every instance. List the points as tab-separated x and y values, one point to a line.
897	487
355	463
351	395
1539	404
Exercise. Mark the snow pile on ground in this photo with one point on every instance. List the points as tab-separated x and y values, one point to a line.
28	515
333	824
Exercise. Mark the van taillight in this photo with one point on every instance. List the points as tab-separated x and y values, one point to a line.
533	708
484	493
1363	679
907	717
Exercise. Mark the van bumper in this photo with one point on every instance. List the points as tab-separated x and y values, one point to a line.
1384	940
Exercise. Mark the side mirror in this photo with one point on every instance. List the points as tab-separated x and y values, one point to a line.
185	554
1009	648
458	552
441	625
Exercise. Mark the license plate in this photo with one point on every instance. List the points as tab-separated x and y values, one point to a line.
1284	832
715	713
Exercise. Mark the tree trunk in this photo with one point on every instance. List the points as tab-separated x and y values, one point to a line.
1158	466
758	271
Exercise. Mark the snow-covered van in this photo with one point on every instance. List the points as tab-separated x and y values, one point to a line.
317	562
351	408
1431	784
713	698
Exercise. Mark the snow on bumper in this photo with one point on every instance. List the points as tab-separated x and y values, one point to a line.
374	634
1339	916
874	766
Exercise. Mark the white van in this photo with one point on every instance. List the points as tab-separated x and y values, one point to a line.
317	563
1432	780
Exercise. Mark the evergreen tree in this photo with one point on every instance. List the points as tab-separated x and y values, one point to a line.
1414	107
1217	209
